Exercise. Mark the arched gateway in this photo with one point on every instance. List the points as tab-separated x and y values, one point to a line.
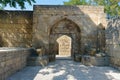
64	43
64	39
75	26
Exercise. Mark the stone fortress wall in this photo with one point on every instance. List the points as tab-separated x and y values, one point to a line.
90	20
16	28
12	60
15	31
41	27
113	41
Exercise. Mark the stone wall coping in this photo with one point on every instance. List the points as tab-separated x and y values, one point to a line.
8	49
68	6
66	9
16	11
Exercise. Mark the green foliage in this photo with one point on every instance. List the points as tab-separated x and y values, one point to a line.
13	3
1	8
76	2
111	7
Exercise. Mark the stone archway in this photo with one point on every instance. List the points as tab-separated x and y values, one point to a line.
65	46
69	30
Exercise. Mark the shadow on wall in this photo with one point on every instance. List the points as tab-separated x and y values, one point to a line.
113	41
93	34
101	40
86	23
16	28
59	30
1	42
113	30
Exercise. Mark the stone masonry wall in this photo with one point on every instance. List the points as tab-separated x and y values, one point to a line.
12	60
88	18
113	41
16	28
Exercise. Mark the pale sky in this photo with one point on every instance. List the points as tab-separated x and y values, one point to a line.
38	2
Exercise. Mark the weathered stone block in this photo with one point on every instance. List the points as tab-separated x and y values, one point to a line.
78	57
96	61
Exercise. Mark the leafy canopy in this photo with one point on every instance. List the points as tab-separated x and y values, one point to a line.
14	3
111	7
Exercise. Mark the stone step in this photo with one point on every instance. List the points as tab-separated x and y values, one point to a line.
63	57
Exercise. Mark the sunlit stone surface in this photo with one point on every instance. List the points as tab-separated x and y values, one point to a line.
64	45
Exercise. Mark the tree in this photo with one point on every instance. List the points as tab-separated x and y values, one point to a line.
76	2
14	3
111	7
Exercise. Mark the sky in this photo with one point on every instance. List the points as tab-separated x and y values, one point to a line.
38	2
